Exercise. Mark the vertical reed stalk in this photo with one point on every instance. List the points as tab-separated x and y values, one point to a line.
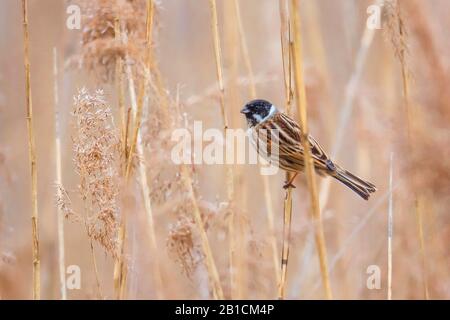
218	56
153	65
142	174
124	121
145	194
87	213
229	173
410	120
300	97
286	241
120	90
118	263
94	264
238	253
287	212
32	158
419	217
59	213
142	86
267	194
136	146
390	226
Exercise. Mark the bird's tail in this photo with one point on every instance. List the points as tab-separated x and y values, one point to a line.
361	187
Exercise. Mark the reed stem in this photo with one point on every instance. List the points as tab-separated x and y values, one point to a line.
401	51
286	242
287	205
229	171
94	264
60	214
32	158
390	226
137	105
300	97
120	90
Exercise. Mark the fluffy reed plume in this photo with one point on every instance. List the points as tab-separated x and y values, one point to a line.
95	156
396	31
32	158
96	147
95	144
183	243
100	47
300	98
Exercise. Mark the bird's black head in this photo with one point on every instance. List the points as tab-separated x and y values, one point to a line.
257	111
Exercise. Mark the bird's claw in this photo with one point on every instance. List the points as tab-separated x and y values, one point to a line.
288	185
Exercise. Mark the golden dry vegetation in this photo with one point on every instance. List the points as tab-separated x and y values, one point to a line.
87	179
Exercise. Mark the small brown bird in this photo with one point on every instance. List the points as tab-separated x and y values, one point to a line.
272	130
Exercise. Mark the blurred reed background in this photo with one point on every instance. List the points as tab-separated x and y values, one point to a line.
141	227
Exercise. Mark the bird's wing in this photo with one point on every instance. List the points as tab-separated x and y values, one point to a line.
289	143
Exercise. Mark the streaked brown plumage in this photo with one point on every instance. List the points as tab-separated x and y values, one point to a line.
273	132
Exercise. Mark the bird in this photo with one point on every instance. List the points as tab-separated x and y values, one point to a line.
270	129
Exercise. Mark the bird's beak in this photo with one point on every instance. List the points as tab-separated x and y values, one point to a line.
245	110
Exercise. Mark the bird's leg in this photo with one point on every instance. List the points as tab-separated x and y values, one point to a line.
289	184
